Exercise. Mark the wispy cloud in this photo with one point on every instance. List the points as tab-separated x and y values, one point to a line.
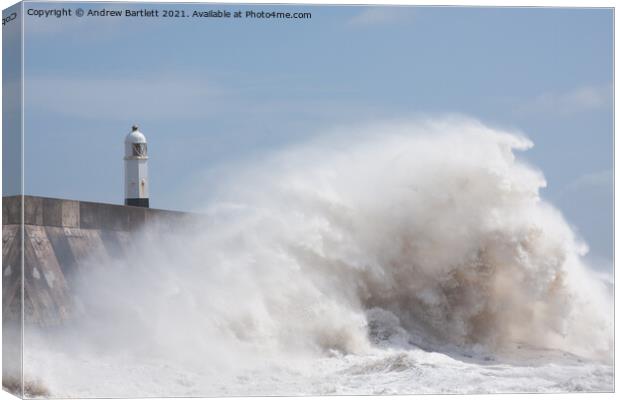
381	15
184	95
599	179
580	99
147	97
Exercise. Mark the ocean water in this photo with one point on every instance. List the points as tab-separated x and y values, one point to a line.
379	372
398	258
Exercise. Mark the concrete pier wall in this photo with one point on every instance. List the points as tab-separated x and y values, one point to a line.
59	237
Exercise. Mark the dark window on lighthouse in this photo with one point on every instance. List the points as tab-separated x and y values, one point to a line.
139	149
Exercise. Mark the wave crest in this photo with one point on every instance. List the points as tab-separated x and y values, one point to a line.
429	233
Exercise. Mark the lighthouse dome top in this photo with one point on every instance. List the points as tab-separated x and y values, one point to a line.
135	136
135	145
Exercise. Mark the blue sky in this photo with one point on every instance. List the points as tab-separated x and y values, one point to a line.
209	91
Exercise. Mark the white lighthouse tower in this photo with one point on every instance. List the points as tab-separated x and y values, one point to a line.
136	173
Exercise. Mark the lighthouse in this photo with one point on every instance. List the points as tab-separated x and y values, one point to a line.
136	173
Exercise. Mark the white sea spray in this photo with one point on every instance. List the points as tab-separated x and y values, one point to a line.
369	251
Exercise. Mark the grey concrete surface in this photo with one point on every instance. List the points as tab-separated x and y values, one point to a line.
61	238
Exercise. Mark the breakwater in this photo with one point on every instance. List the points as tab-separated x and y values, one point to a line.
59	236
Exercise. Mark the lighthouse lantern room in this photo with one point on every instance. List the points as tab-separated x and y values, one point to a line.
136	172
